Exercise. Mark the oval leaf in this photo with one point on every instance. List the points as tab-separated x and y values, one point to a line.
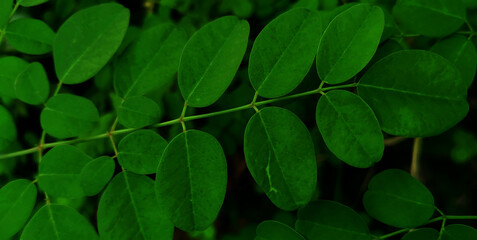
191	180
284	51
58	222
331	220
459	231
17	199
128	210
5	9
60	169
349	43
280	156
350	128
30	36
67	115
96	174
138	112
395	198
415	76
140	151
87	40
11	67
32	85
210	60
8	129
422	234
273	230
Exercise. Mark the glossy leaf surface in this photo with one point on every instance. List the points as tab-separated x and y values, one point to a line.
273	230
30	36
32	85
96	174
138	112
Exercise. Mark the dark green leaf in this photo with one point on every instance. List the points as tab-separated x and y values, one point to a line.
280	156
459	232
67	115
11	68
140	151
395	198
415	93
273	230
422	234
284	51
331	220
151	62
5	9
17	199
191	180
430	17
87	40
31	3
138	112
30	36
58	222
60	171
210	60
32	85
349	42
7	129
128	210
96	174
350	128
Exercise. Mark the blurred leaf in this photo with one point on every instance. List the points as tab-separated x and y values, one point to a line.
31	3
5	9
30	36
32	85
138	112
8	129
422	234
273	230
460	232
96	174
10	67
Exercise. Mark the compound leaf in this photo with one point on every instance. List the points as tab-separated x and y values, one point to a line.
30	36
87	40
395	198
273	230
422	234
191	180
284	51
138	112
32	85
210	60
8	129
96	174
11	67
280	156
460	232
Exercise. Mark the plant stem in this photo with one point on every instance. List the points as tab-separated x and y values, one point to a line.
416	150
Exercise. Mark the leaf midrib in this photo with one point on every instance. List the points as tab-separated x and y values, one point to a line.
403	91
133	204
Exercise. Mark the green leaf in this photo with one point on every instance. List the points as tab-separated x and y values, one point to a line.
350	128
67	115
5	9
128	209
87	40
284	51
30	36
395	198
394	85
331	220
11	67
459	232
210	60
280	156
96	174
58	222
60	171
138	112
191	180
140	151
31	3
8	129
151	62
32	85
17	199
422	234
273	230
349	43
461	52
430	17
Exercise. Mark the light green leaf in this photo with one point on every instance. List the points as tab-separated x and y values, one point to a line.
8	129
60	169
138	112
58	222
273	230
422	234
191	180
461	52
140	151
32	85
280	156
128	209
349	42
87	40
151	62
284	51
5	9
459	232
350	128
394	85
430	17
11	67
67	115
331	220
31	3
30	36
17	199
395	198
210	60
96	174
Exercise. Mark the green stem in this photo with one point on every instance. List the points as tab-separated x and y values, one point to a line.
2	31
394	233
17	4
